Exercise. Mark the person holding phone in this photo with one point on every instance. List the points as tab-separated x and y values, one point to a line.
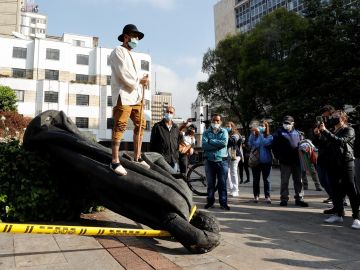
127	86
341	169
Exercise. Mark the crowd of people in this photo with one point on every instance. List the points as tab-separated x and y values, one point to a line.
336	167
331	158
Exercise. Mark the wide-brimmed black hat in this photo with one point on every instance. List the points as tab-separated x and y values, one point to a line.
130	28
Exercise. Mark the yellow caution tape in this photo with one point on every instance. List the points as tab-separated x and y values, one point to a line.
193	210
78	230
81	230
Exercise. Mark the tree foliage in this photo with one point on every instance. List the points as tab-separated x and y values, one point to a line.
7	99
288	64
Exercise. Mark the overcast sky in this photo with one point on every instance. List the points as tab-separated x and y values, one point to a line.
177	35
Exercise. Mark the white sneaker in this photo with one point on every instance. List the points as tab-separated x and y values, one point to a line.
143	163
334	219
356	224
268	200
235	194
119	169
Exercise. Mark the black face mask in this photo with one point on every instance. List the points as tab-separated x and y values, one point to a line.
335	121
332	122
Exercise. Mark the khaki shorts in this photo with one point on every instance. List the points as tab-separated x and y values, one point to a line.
121	115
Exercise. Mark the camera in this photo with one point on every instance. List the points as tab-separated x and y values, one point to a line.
319	120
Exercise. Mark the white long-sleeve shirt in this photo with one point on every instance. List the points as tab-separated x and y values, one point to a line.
125	77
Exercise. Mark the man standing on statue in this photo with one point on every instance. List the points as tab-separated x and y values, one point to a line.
127	86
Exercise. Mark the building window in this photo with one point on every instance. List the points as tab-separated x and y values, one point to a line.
51	96
82	78
82	59
148	125
109	101
53	54
33	20
19	52
82	122
108	60
19	73
82	100
109	123
51	74
19	95
79	43
32	30
145	65
108	80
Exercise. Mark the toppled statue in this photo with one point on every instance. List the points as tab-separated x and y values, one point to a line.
150	196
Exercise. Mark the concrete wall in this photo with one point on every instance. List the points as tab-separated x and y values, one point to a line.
224	19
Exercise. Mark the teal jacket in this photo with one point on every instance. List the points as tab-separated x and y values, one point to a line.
215	144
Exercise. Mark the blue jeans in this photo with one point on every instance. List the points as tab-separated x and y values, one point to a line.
263	169
217	170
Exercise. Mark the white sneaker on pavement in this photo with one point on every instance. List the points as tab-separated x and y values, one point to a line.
235	194
334	219
356	224
118	169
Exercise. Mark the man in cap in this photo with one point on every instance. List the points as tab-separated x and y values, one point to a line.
285	148
127	89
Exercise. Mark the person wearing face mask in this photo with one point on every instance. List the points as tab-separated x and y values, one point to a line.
235	155
214	144
285	148
324	150
127	86
165	138
341	167
261	139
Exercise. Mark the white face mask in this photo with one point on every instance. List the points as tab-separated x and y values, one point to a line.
287	127
215	126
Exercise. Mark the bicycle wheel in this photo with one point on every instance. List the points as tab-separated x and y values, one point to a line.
196	179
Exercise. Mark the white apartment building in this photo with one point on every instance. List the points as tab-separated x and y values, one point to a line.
69	73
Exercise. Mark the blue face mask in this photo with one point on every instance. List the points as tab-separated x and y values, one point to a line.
228	129
133	43
168	116
261	129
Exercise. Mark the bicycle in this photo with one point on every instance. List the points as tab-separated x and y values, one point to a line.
196	179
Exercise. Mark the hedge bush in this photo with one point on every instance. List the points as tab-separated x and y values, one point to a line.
14	124
29	191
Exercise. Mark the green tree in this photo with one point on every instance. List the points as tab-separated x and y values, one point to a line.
269	70
332	64
7	99
223	88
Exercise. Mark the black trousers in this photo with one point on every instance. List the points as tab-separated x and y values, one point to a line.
243	165
342	181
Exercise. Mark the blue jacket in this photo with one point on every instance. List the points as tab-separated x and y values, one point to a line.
264	145
285	146
215	144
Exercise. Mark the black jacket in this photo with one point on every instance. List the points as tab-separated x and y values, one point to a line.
165	141
341	143
357	141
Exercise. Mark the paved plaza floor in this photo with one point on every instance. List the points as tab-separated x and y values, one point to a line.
253	236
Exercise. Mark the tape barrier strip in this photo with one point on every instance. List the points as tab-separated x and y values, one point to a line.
193	210
81	230
78	230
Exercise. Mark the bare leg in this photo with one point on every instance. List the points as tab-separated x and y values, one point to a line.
115	152
137	146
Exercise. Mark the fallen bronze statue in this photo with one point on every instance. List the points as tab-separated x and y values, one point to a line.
152	196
